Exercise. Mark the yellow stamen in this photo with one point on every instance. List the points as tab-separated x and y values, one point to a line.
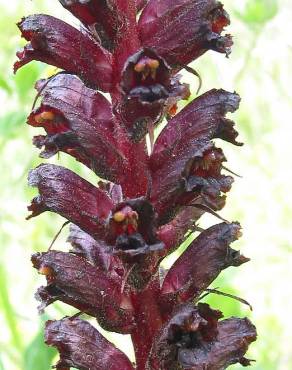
44	116
153	63
147	66
119	217
140	66
46	270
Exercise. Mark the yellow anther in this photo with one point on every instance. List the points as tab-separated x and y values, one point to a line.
153	63
46	270
119	217
147	65
140	66
44	116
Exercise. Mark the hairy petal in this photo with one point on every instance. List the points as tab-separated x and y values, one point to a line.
55	42
136	243
203	119
202	262
188	326
63	192
173	233
82	346
83	126
194	339
181	31
236	334
109	20
185	164
140	4
234	337
96	252
192	178
97	16
73	280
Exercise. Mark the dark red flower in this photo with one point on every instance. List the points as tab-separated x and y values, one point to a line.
149	91
54	42
182	30
82	346
147	199
79	121
201	263
194	339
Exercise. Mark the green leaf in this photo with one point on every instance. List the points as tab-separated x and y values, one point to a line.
38	355
258	12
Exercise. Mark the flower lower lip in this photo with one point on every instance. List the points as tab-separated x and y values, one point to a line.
149	94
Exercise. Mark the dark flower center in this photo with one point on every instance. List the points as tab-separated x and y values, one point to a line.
130	242
146	77
187	339
125	224
148	88
209	165
149	93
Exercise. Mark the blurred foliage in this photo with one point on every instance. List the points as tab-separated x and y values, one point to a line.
259	69
258	12
37	353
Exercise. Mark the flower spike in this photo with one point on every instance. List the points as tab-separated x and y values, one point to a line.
151	189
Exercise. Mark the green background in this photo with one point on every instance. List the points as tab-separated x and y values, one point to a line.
259	70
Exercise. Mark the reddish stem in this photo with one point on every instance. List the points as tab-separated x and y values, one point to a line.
148	318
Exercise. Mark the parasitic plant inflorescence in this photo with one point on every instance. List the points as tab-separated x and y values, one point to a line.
147	200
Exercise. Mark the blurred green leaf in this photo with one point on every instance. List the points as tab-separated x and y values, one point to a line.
38	355
5	85
8	311
25	79
258	12
10	122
